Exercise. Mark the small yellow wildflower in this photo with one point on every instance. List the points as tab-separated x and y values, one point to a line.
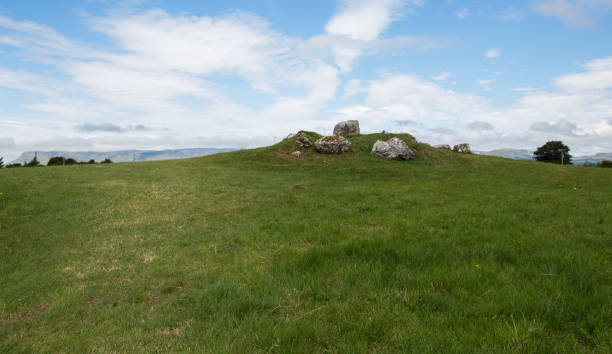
574	187
477	266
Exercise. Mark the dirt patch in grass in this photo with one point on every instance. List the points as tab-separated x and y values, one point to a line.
37	311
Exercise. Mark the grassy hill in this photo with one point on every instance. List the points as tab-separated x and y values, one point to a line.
450	252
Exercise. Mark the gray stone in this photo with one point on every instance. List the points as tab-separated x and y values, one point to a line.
332	145
444	146
296	154
394	148
462	148
303	142
347	128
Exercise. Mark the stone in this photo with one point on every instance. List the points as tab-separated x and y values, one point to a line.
347	128
303	142
296	154
444	146
462	148
394	148
332	145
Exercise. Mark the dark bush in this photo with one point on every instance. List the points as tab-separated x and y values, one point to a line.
13	165
91	162
56	161
1	163
605	163
106	161
70	161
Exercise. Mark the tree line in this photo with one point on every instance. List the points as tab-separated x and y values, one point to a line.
54	161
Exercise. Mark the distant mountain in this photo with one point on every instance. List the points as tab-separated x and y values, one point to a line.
592	159
121	155
516	154
522	154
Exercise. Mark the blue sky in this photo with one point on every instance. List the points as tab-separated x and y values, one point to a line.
154	74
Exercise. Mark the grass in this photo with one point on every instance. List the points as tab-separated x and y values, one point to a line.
450	252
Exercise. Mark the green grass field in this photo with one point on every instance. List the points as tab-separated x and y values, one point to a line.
447	253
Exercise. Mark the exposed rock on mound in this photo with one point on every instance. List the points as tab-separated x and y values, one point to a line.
332	145
394	148
462	148
445	147
347	128
303	142
296	154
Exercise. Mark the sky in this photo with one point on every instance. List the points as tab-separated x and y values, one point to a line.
152	74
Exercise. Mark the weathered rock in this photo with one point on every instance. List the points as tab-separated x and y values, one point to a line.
347	128
332	145
444	146
296	154
394	148
462	148
303	142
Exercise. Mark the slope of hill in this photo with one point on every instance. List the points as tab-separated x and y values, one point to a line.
446	253
121	155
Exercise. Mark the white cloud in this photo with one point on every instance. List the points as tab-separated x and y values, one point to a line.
463	13
492	53
22	80
354	30
353	87
580	13
599	77
363	20
442	76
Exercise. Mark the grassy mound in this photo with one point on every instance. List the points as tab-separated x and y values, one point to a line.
448	252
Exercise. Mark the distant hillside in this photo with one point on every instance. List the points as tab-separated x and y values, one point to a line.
517	154
522	154
592	159
122	155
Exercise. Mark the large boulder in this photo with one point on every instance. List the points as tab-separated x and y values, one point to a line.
394	148
462	148
443	147
332	145
347	128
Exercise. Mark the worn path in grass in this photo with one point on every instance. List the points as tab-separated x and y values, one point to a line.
453	253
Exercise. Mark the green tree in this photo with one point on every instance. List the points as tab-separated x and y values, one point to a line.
554	152
33	163
106	161
56	161
605	163
1	163
70	161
